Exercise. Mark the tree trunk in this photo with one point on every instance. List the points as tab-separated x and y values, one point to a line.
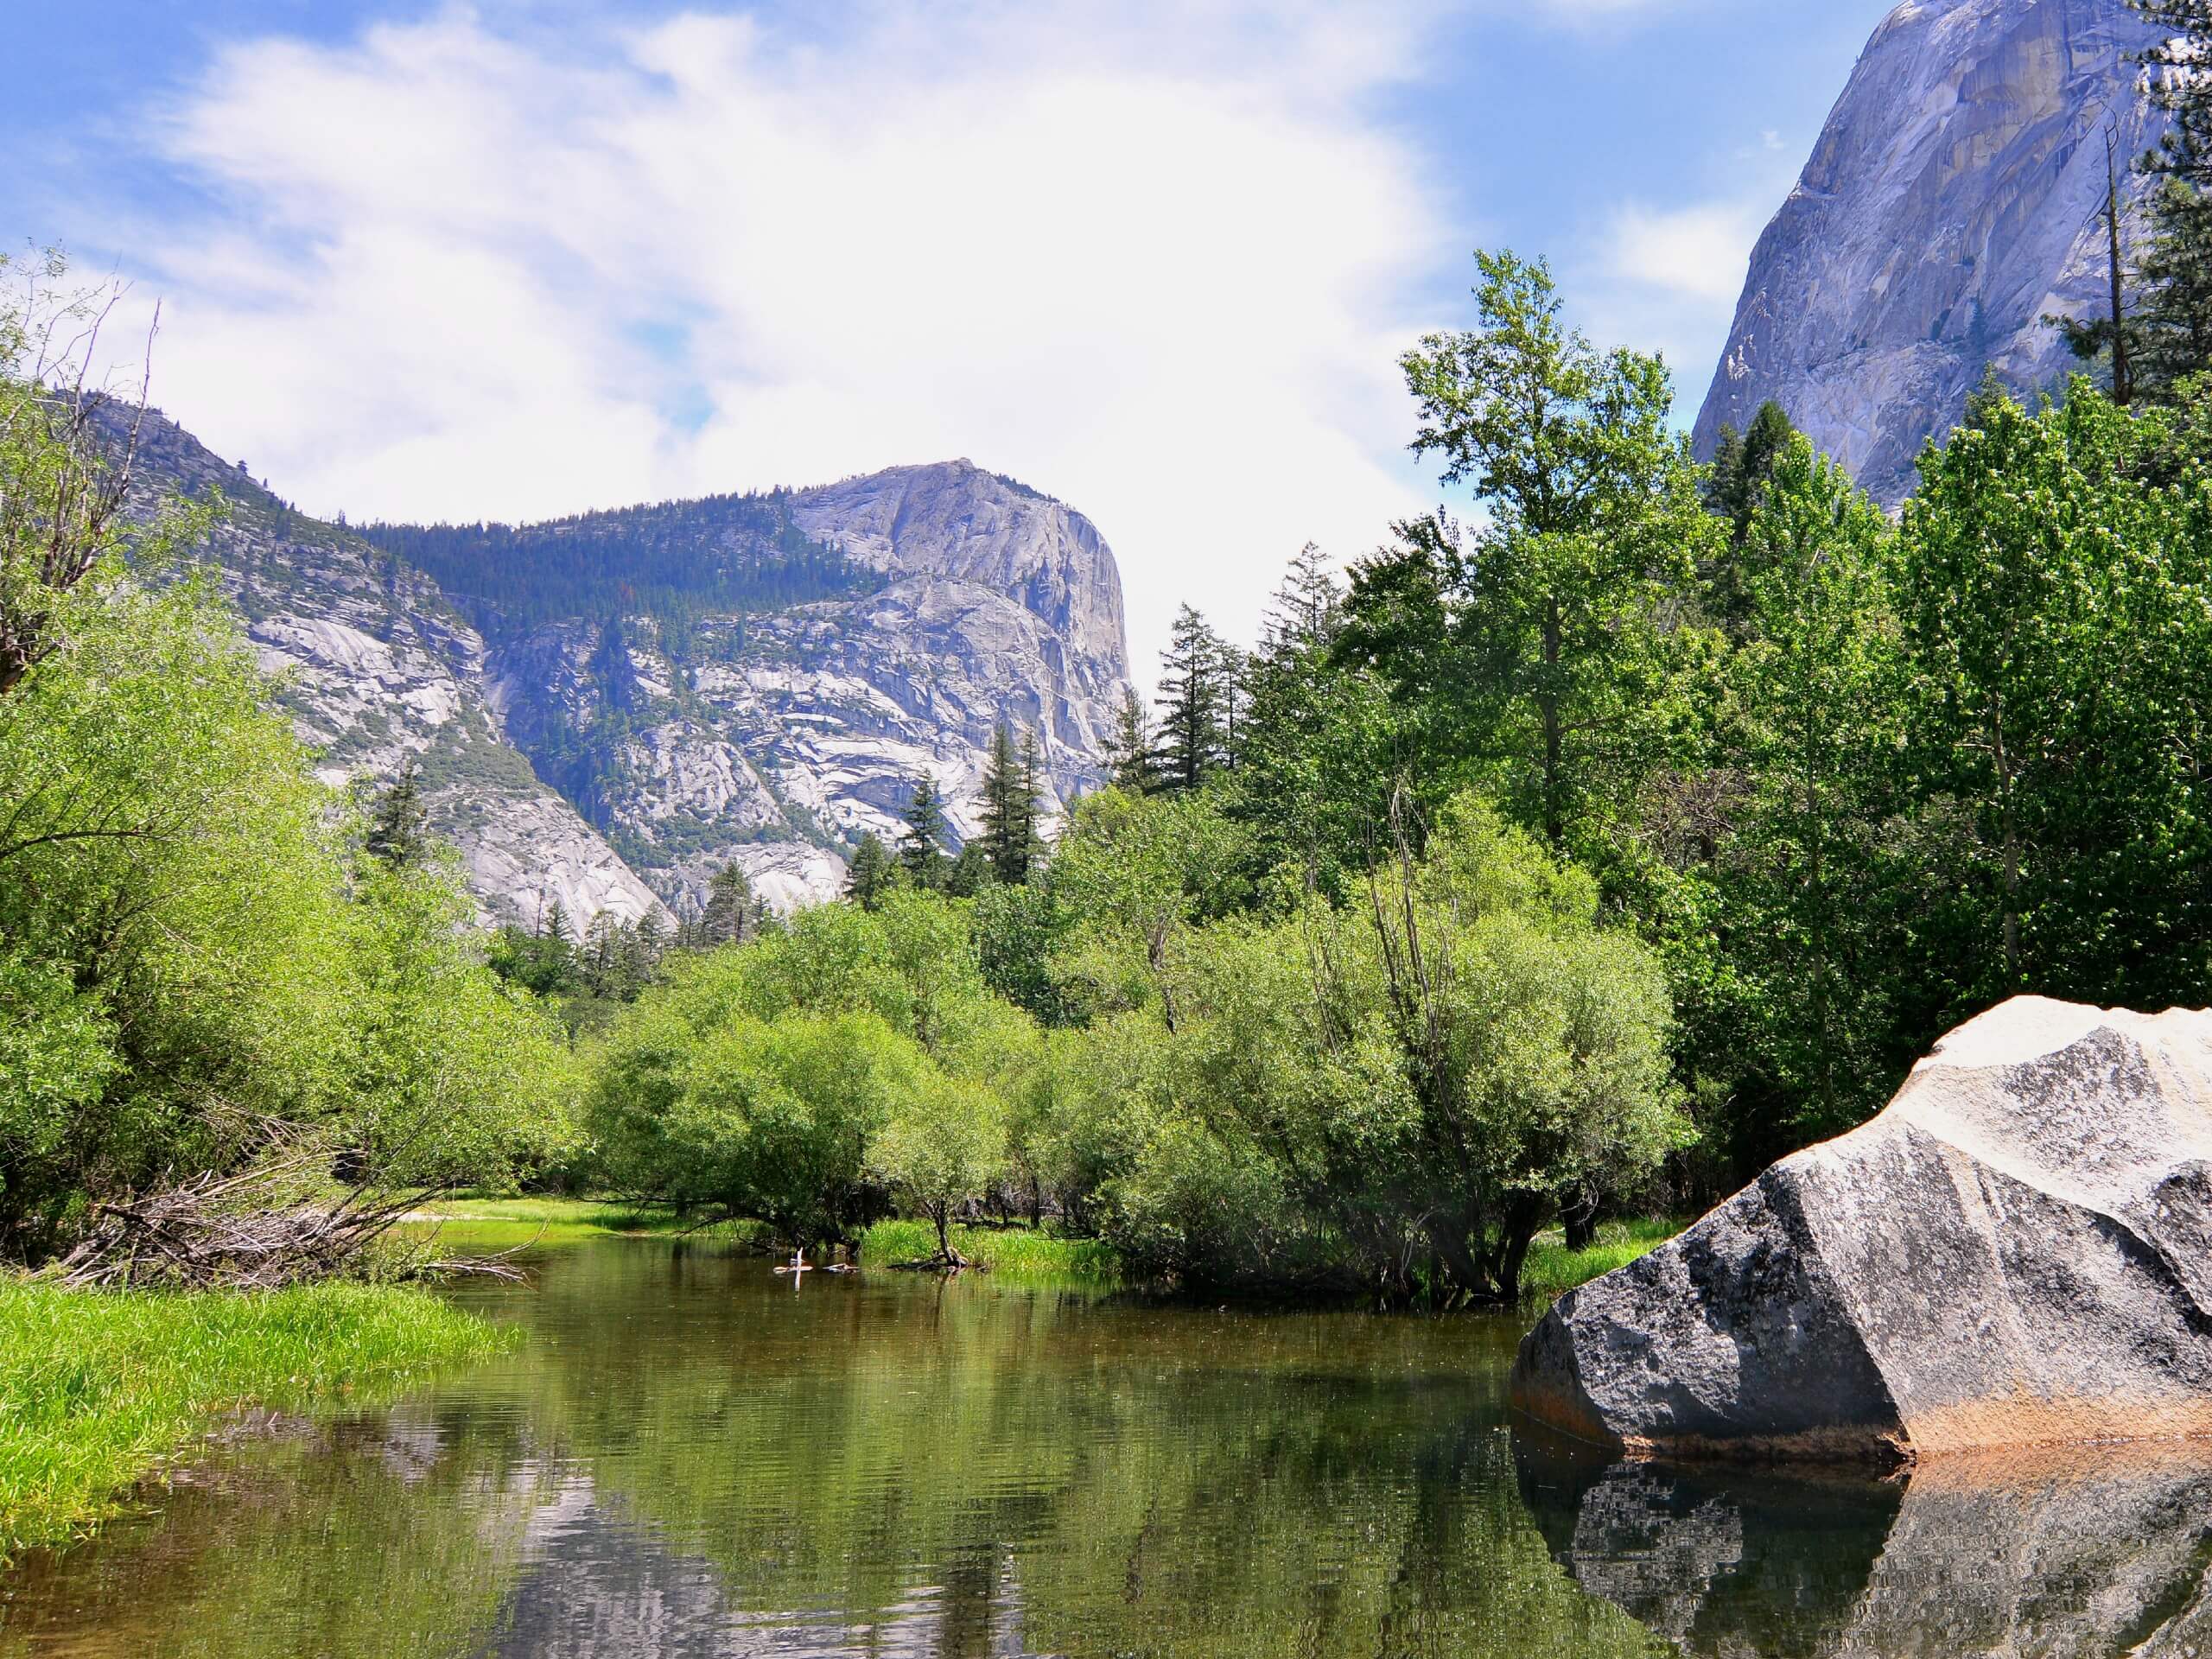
2012	836
1578	1214
1547	702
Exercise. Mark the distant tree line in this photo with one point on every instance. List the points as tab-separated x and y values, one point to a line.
679	564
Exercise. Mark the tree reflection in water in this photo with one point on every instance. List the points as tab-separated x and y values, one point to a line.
689	1458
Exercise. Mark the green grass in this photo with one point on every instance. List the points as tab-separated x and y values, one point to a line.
475	1225
1017	1250
1552	1270
99	1389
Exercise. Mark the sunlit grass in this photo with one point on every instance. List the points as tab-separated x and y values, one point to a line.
1018	1251
99	1389
465	1224
1552	1270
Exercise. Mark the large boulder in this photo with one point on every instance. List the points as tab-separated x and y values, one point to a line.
2017	1251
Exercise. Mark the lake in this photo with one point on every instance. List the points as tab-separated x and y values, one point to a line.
694	1456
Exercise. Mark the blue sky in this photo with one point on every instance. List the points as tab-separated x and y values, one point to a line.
525	256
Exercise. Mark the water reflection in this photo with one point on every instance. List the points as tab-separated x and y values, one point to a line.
2092	1552
689	1458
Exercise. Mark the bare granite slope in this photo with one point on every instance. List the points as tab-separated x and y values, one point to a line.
1952	203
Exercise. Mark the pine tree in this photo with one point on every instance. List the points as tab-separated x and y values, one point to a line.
399	826
996	840
1130	762
2169	336
870	876
729	915
1012	786
1029	792
1193	705
1735	488
1743	465
970	872
922	853
554	925
1308	607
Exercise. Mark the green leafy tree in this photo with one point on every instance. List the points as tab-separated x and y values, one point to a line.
66	460
1136	872
943	1148
1811	888
766	1120
1562	669
2056	610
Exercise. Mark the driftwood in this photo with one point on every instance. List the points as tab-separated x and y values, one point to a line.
272	1226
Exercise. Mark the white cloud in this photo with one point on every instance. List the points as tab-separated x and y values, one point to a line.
1666	279
1156	266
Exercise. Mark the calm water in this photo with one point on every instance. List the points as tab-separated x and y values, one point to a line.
693	1457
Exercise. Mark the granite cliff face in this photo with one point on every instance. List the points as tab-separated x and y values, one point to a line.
776	737
377	668
1953	202
608	709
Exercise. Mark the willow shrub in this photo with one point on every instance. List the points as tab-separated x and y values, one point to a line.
1393	1097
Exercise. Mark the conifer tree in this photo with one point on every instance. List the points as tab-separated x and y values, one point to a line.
870	876
399	827
2170	333
729	915
1012	785
922	853
1743	464
969	874
1130	762
1308	606
1193	705
1029	791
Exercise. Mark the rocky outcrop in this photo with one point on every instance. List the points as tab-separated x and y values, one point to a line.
377	669
2018	1251
1952	203
2083	1552
774	739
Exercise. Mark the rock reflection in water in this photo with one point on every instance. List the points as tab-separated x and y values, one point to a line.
2090	1551
599	1584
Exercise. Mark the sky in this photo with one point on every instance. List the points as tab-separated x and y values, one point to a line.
518	258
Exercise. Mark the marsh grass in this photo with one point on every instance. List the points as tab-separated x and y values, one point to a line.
1019	1251
99	1389
1552	1270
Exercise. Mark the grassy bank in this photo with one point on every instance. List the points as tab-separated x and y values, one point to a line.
1552	1270
98	1390
467	1223
1016	1250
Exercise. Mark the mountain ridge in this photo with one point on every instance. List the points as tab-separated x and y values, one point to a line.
614	748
